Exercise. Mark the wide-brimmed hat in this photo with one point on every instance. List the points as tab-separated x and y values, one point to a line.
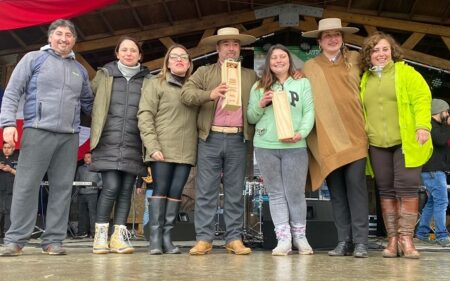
228	33
329	24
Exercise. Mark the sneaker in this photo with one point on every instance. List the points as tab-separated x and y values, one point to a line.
303	246
360	251
283	248
54	250
426	240
343	248
444	242
81	236
120	240
10	250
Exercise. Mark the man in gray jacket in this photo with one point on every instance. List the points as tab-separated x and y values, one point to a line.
55	87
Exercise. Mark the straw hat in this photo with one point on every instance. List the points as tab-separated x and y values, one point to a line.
329	24
228	33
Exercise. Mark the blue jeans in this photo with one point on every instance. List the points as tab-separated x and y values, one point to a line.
146	218
436	205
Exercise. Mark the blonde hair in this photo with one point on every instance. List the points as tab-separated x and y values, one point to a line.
344	50
165	69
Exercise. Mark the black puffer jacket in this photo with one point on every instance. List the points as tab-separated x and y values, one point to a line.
119	146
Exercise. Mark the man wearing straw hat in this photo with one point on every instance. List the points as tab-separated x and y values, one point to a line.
222	146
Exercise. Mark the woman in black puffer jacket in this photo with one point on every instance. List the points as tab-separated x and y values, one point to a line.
115	142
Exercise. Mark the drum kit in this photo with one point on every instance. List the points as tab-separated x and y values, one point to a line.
254	195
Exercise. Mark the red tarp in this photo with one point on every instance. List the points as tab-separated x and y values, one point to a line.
22	13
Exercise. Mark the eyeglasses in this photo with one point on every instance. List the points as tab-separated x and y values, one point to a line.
176	57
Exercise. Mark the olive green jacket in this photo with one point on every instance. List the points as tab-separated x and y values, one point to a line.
197	89
166	124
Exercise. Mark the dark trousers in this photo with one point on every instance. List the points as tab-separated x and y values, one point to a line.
5	210
87	212
117	188
220	153
393	179
348	190
169	179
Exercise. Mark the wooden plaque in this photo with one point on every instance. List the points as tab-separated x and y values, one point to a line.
231	75
282	112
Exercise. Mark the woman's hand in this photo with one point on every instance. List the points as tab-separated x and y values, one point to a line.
294	139
266	99
422	136
158	156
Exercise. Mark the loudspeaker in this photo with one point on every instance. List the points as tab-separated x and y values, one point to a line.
184	229
320	229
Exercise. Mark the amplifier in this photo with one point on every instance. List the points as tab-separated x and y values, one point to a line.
320	229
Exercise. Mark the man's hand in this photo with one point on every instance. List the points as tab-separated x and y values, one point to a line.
10	135
266	99
219	91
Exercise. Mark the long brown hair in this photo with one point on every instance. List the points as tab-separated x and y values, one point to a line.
371	42
165	69
268	78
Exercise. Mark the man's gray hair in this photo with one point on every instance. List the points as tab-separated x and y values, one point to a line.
62	22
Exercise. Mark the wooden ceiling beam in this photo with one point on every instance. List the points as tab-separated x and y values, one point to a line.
208	32
349	5
107	24
168	13
417	18
17	38
380	7
446	41
445	13
412	41
167	42
80	33
197	8
91	71
180	27
388	23
413	8
370	29
135	15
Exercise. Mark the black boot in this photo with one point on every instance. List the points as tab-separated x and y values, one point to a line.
157	212
172	207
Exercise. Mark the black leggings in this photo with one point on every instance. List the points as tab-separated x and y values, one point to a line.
169	178
118	188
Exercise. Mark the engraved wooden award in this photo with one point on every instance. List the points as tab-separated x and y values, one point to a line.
231	75
282	112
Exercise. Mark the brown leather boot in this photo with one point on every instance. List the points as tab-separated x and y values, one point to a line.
409	208
389	208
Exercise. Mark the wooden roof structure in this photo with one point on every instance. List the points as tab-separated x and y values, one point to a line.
422	27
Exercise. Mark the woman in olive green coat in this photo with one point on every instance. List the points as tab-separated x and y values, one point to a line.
169	133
